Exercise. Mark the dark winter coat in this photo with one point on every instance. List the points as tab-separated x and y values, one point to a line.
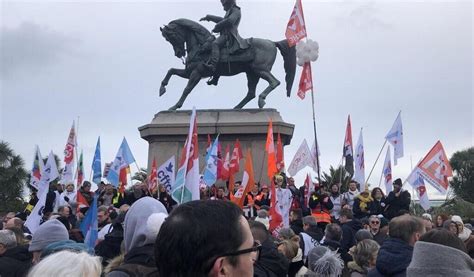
271	262
393	259
349	229
396	204
15	261
139	261
297	226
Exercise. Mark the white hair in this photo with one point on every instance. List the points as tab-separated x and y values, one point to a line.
67	263
7	238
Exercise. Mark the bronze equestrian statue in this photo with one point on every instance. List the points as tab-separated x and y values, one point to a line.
228	55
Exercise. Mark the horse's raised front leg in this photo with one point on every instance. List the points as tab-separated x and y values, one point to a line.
272	84
252	81
172	71
193	81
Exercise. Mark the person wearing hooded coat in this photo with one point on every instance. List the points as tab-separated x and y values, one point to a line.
142	223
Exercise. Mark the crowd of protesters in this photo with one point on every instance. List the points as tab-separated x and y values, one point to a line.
324	232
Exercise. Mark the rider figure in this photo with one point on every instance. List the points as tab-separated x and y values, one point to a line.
229	36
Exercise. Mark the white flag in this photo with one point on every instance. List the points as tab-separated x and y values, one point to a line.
395	138
166	174
359	174
49	174
387	172
37	168
301	159
68	171
314	156
417	182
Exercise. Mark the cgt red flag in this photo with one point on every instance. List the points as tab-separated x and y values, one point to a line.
234	166
306	80
280	160
153	178
276	220
296	28
225	164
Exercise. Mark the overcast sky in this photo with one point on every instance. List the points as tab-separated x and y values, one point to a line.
102	62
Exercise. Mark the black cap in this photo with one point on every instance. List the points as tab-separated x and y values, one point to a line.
397	182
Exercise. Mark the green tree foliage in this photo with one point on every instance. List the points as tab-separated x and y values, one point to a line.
141	175
12	179
462	182
336	175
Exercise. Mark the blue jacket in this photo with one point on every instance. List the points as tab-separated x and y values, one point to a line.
393	259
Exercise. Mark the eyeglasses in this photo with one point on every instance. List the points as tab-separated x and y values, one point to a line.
257	247
375	222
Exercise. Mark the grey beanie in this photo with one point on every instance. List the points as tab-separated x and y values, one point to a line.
47	233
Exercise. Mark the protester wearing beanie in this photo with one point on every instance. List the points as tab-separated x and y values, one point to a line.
142	224
49	232
436	260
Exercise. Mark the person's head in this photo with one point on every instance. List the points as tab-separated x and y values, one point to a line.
220	192
278	181
365	253
440	219
8	216
59	187
353	186
109	189
374	223
70	187
296	214
7	240
291	181
407	228
259	231
103	214
427	222
444	237
14	223
309	221
49	232
335	188
324	262
265	189
365	193
286	234
64	211
451	226
333	232
458	221
227	4
254	189
345	216
220	244
143	222
363	234
397	185
377	193
288	248
262	213
86	186
68	263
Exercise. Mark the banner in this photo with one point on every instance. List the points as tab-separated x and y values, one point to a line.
435	168
306	81
166	173
301	159
296	29
416	181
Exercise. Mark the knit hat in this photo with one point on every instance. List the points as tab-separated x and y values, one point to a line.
398	182
47	233
141	229
65	245
457	219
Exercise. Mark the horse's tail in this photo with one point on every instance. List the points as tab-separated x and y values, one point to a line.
289	59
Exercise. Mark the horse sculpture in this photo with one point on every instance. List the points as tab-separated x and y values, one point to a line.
191	43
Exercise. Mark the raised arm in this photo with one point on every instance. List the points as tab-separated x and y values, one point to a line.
213	18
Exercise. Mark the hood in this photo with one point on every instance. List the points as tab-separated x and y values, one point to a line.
19	253
466	233
394	256
429	259
137	231
271	260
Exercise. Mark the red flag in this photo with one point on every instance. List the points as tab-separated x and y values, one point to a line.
248	181
153	178
348	148
225	165
280	160
123	178
435	168
307	190
276	220
270	148
296	28
306	80
234	166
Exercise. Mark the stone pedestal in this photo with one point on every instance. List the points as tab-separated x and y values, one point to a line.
168	130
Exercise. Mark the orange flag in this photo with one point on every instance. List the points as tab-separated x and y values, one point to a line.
276	220
280	160
296	28
248	181
270	148
435	168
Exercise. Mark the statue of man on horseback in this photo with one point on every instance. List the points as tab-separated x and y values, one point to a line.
229	55
229	35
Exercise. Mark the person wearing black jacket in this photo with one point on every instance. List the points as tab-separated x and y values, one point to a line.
15	260
397	200
296	221
349	227
271	263
378	205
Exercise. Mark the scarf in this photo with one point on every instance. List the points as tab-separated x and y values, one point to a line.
364	201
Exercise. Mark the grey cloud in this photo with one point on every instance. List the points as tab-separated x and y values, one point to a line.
30	45
363	16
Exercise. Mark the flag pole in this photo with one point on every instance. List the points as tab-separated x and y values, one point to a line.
315	135
381	149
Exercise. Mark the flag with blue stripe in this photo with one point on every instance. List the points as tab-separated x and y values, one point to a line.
210	171
90	226
96	164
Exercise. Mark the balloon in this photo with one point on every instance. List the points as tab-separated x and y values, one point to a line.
300	62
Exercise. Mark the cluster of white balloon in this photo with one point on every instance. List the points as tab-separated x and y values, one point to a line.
306	51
